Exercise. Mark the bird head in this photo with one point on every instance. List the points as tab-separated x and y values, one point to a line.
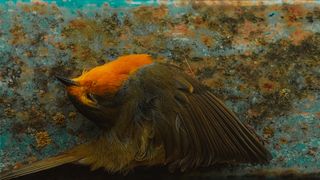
93	92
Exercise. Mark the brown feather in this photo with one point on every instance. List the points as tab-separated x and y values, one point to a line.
208	132
39	166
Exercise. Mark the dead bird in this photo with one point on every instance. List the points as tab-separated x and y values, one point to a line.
151	114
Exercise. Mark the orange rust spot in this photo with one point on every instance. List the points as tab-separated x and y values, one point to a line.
294	14
275	7
18	35
128	46
181	30
214	82
81	52
59	118
304	113
247	28
233	3
243	86
123	37
245	32
207	40
82	29
318	115
59	45
48	38
17	165
283	141
198	21
43	51
248	52
308	105
72	115
151	14
250	33
241	41
299	35
304	126
296	11
38	7
78	24
268	132
32	159
311	97
312	151
253	113
267	86
146	41
160	12
43	139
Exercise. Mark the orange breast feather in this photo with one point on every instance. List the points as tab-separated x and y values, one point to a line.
109	77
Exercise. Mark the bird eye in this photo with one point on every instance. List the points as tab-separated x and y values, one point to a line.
91	97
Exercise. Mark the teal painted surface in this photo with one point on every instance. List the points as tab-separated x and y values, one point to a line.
83	3
268	76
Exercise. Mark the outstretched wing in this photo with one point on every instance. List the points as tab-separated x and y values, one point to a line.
194	126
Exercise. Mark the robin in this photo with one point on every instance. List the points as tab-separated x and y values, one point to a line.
152	114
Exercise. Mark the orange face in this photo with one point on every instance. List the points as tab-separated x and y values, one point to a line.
106	79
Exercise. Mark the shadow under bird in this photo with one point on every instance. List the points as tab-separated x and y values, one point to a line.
152	113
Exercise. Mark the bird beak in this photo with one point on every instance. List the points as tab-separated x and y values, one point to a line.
67	82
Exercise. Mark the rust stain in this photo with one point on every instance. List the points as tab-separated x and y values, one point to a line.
268	132
283	140
39	7
246	2
72	115
151	14
82	29
253	113
249	33
299	35
295	12
215	82
43	139
207	40
43	52
18	35
264	79
267	86
82	52
59	119
181	30
17	165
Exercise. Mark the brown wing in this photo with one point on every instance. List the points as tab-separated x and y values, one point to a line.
194	125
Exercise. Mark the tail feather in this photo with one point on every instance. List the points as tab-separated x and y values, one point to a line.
39	166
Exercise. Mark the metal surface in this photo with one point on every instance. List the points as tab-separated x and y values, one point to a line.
262	60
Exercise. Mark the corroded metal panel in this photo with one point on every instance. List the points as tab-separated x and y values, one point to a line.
262	58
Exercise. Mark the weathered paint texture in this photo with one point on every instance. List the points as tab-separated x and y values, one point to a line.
263	61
